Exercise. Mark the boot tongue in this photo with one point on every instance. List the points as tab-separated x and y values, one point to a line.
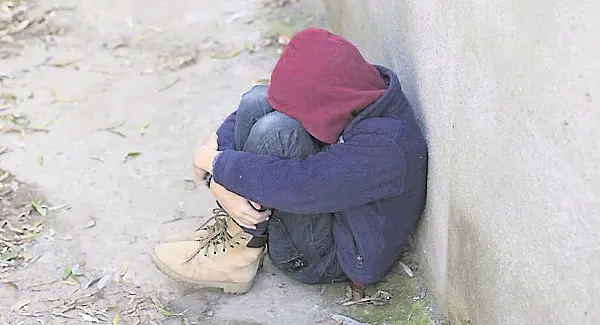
233	228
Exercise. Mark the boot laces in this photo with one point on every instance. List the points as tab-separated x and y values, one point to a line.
216	234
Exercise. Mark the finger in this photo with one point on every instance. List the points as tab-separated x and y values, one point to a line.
245	221
249	211
254	219
255	205
263	216
266	214
245	224
249	226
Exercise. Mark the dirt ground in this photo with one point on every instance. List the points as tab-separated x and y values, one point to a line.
102	105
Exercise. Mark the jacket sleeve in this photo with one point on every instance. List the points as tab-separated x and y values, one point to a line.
365	168
226	133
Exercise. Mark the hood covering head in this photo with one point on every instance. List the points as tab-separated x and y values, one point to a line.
322	80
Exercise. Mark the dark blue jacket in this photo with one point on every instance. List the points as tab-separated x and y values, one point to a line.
373	180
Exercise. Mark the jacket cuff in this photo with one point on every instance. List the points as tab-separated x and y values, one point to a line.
222	167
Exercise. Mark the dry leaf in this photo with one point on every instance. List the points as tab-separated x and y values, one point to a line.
89	318
406	269
19	305
260	82
10	284
8	98
160	307
92	282
39	208
62	64
179	61
22	26
114	130
124	268
9	254
277	3
103	282
76	270
55	208
119	133
29	236
67	273
344	320
379	298
116	319
228	55
131	155
190	184
169	85
144	127
36	285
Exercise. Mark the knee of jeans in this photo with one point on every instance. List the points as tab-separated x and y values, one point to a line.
279	134
277	122
256	95
253	105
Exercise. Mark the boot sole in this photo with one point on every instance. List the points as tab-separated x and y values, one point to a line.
228	287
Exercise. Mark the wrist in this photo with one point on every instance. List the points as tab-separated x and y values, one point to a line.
214	161
204	158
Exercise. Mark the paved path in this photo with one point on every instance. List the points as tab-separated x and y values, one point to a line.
126	64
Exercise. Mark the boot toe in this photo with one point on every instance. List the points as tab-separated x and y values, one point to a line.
169	259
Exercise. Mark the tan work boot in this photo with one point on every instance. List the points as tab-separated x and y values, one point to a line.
200	232
219	254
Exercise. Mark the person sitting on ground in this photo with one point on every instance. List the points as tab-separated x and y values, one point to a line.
325	166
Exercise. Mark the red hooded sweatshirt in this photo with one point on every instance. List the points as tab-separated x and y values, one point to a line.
322	81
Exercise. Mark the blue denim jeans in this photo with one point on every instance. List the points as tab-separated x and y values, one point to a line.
302	246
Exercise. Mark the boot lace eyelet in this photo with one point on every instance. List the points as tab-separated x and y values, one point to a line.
217	236
243	237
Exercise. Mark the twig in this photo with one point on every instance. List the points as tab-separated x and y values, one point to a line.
173	83
181	218
35	285
360	301
379	298
62	315
113	131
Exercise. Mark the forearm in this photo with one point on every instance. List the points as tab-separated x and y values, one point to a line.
204	158
334	180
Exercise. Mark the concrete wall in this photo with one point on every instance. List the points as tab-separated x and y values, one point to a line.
508	92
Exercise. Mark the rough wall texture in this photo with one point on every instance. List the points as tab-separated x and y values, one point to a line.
508	93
